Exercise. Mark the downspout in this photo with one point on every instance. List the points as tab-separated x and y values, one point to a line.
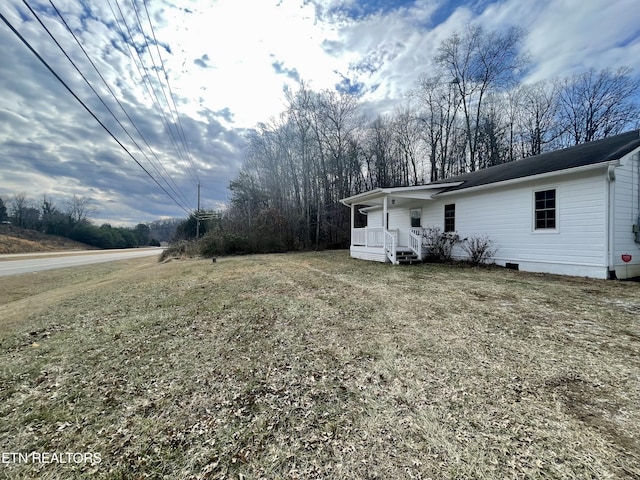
610	212
636	227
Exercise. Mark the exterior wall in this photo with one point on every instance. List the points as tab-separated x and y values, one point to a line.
368	253
626	196
400	219
578	246
374	218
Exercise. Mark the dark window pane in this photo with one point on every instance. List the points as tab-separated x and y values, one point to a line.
545	209
450	217
416	214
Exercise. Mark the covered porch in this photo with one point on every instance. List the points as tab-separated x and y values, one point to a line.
399	240
380	244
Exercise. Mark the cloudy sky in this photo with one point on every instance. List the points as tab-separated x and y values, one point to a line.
227	62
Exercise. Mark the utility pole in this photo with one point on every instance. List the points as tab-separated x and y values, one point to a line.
198	215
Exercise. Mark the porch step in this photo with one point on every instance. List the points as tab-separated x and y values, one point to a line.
407	256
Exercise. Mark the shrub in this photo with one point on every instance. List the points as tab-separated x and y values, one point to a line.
480	248
439	244
223	244
179	249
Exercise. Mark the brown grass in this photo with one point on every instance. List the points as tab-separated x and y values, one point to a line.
20	240
319	366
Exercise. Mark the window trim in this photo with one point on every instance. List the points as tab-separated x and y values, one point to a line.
453	217
534	228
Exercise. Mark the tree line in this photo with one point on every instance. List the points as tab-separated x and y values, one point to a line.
471	111
71	220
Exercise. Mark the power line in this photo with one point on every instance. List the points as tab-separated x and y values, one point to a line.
53	72
175	190
152	88
175	107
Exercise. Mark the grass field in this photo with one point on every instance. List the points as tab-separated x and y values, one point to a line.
317	366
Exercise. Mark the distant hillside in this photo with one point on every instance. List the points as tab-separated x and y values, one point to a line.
20	240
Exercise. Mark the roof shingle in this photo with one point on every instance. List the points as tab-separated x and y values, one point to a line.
599	151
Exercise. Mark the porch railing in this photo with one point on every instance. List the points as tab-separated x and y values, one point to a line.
415	242
368	236
390	244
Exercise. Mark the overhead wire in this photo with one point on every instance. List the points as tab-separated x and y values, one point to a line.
175	142
145	78
168	179
86	107
175	107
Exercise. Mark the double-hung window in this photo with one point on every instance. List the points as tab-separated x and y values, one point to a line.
450	217
416	215
545	210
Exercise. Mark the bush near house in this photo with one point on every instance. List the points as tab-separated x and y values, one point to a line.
439	244
479	248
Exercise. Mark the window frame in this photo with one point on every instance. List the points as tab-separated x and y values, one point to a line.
535	210
419	217
449	218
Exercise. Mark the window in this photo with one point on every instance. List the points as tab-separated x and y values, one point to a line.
416	215
545	209
450	217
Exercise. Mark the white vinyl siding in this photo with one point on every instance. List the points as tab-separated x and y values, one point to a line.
400	218
626	192
374	218
507	214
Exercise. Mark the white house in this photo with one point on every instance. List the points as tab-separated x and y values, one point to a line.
574	211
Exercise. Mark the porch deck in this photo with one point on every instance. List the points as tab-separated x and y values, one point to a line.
381	245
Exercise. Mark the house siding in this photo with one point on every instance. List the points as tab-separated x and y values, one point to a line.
506	214
368	253
374	218
626	195
400	219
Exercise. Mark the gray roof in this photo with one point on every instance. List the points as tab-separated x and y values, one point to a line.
599	151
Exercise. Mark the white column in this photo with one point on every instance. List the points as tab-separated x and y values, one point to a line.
353	216
384	222
384	213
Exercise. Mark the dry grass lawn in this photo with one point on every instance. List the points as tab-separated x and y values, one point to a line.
319	366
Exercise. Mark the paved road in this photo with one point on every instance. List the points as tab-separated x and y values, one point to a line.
34	262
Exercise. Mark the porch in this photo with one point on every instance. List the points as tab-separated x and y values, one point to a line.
382	245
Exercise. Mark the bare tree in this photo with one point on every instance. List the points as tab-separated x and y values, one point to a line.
19	206
595	105
537	119
406	136
437	108
478	61
79	209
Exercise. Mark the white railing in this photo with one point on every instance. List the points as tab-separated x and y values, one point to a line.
359	236
415	241
368	236
390	244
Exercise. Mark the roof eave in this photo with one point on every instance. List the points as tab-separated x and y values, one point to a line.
528	178
365	197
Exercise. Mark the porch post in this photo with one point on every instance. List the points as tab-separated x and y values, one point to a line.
384	213
353	216
384	222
